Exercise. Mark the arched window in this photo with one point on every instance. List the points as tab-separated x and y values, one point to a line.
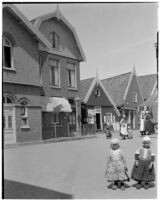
7	52
54	39
24	112
8	100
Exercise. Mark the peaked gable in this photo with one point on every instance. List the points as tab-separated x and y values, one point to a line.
26	23
147	83
116	87
61	19
92	86
84	87
101	100
133	88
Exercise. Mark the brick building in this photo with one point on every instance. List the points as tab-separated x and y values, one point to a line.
40	70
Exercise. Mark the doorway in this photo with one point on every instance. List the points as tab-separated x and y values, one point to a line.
98	122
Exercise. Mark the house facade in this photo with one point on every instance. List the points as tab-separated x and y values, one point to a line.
125	91
100	108
60	76
21	82
41	77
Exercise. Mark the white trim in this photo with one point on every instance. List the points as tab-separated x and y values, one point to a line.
140	90
128	86
107	94
12	113
27	24
97	81
90	90
39	20
154	87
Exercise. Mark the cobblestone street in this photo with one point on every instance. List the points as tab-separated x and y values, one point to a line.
70	169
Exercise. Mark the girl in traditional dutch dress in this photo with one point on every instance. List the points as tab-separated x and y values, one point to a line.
123	128
116	170
143	169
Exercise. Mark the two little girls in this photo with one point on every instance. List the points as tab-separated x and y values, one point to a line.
143	169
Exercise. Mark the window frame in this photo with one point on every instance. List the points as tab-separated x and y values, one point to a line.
50	73
11	53
54	39
75	75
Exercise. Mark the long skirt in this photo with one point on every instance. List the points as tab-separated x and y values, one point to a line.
116	171
148	126
124	131
142	171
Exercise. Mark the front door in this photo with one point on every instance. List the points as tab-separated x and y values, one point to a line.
98	121
9	124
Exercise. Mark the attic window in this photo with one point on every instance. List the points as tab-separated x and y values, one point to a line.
97	93
54	39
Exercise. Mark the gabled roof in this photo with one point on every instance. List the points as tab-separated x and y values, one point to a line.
84	87
87	86
26	23
147	83
116	86
37	22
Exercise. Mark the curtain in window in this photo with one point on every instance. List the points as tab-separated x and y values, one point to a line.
72	78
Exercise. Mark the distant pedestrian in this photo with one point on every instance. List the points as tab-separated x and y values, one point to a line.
130	135
143	169
107	131
116	171
123	128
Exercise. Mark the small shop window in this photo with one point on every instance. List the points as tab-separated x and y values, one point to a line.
55	118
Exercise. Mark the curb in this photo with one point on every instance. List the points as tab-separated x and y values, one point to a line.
53	140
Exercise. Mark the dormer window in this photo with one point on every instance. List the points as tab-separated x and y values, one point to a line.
54	39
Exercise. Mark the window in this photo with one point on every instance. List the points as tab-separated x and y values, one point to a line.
7	100
55	118
71	75
40	68
134	94
109	118
54	73
54	39
24	114
7	52
97	93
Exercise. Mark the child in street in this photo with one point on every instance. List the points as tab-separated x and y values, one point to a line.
123	128
116	170
143	169
130	136
107	131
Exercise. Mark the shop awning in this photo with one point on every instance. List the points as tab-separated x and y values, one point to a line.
58	104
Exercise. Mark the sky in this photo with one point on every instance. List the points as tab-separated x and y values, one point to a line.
115	37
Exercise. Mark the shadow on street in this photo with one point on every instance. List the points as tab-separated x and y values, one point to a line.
17	190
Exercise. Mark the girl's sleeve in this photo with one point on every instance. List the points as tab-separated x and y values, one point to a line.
137	153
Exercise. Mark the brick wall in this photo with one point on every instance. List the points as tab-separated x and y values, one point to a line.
34	133
25	53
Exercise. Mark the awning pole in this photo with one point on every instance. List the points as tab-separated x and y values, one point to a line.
55	130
